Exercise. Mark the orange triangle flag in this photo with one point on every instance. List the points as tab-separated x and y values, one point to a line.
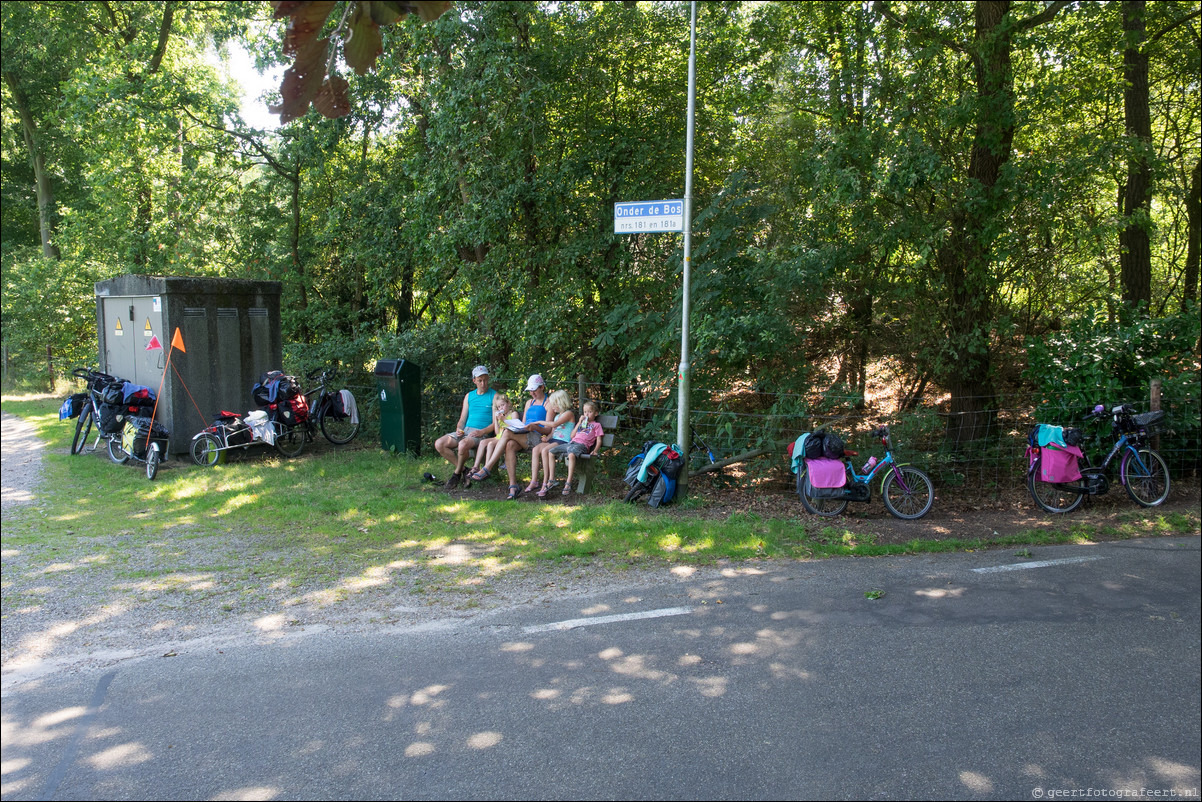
177	341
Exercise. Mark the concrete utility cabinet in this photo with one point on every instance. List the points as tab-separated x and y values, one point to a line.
230	329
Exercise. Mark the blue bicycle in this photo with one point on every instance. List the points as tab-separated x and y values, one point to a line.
1141	470
907	492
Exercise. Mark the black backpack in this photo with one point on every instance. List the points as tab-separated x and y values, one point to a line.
832	446
813	446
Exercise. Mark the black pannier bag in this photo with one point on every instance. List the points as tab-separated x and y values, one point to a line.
134	437
337	409
111	417
113	393
813	445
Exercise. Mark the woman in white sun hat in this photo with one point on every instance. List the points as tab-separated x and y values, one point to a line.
523	437
475	424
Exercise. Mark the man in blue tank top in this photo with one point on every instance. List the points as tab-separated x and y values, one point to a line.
475	424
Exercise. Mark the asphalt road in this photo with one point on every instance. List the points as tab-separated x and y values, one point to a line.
1072	673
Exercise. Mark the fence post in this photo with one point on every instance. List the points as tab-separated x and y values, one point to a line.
1154	405
580	399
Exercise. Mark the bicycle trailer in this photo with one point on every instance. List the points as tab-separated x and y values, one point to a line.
140	433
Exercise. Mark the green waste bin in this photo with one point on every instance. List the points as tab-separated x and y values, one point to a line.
400	385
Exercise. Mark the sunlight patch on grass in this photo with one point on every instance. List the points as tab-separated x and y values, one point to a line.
237	502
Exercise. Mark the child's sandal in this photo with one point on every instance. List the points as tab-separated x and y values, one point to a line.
567	490
542	493
530	488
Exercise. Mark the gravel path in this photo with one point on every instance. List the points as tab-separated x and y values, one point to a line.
20	461
58	619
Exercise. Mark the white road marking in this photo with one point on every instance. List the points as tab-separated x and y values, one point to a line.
1040	564
607	619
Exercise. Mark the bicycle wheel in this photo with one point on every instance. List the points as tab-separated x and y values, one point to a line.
1147	484
152	461
912	501
338	429
290	442
206	450
116	453
1052	497
83	427
826	507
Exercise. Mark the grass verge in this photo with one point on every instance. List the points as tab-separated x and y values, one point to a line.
346	520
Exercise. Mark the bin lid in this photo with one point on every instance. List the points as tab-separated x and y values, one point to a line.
389	367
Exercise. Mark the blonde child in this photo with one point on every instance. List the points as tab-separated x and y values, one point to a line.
502	411
509	443
586	439
562	420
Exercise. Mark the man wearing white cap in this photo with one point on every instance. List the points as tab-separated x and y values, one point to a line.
475	423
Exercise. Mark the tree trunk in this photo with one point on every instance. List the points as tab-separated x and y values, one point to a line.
965	259
45	193
1135	253
1194	203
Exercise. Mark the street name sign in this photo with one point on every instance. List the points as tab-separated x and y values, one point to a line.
645	217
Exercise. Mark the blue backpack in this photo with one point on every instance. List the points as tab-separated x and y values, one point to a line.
653	473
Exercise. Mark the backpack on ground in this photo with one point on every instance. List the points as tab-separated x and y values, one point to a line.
653	473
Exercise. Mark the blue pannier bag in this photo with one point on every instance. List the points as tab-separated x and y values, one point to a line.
72	406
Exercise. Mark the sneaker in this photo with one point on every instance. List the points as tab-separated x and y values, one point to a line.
453	481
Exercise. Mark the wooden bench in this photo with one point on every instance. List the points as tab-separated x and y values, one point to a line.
587	464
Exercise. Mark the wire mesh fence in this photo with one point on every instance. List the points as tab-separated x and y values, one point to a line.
755	428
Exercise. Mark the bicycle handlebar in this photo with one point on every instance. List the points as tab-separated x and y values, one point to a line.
1099	411
324	374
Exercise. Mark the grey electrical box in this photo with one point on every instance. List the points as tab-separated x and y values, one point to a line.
229	329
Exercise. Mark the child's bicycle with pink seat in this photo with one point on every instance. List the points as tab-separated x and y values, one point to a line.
907	492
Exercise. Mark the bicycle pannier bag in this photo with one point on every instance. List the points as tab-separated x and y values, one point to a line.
139	433
826	473
111	418
1059	464
72	406
299	406
113	393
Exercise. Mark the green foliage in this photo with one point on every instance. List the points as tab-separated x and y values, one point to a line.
1093	361
462	211
47	305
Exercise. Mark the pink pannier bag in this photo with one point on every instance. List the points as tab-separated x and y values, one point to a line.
1059	465
826	472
